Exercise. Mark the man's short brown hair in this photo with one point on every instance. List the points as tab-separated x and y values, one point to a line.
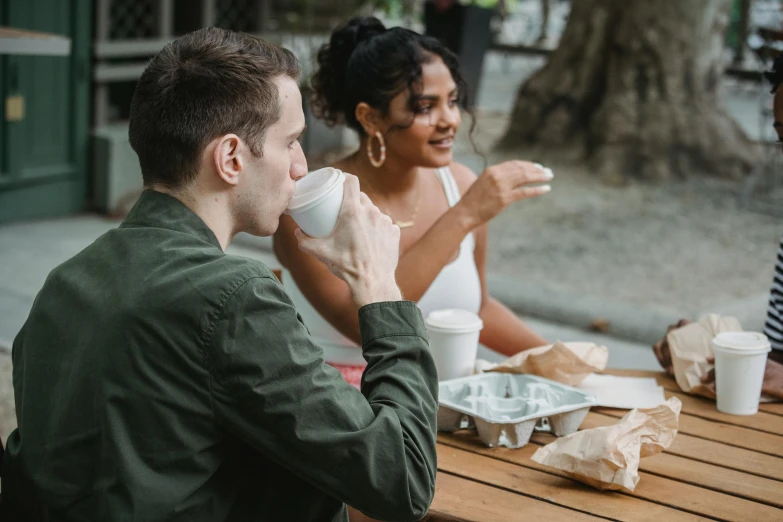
201	86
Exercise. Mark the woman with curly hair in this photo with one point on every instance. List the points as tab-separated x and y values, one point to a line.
402	92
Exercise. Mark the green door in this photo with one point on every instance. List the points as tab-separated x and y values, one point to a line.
43	152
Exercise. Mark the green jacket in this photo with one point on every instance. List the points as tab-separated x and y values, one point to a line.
158	378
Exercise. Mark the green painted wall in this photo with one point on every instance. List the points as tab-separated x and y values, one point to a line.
43	158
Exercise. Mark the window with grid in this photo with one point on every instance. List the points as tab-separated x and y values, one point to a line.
236	15
132	19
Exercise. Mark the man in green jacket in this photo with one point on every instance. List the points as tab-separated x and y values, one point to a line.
157	378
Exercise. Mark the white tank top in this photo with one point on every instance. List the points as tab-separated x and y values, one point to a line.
456	286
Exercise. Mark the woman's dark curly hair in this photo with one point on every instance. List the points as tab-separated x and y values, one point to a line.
775	76
365	62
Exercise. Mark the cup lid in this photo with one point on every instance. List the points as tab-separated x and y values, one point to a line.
454	320
741	342
313	185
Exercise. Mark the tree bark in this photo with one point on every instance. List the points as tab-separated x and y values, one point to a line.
634	88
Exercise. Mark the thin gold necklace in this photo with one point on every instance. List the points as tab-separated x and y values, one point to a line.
412	220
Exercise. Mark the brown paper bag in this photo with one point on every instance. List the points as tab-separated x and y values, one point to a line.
608	457
691	345
568	363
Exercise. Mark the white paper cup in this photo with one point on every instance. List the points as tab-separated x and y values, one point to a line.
740	359
317	201
454	336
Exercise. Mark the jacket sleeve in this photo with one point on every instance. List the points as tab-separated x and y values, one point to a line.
374	449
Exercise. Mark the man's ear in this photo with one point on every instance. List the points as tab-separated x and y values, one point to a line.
368	118
228	159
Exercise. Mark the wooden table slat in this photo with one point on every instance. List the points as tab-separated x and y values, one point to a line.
701	407
733	435
775	408
706	451
719	466
704	474
563	491
458	499
715	477
654	488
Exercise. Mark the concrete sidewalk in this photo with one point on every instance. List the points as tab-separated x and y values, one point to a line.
31	250
35	248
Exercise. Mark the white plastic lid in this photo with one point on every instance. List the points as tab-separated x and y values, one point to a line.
313	186
454	321
748	343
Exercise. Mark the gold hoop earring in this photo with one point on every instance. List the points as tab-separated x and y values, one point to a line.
376	162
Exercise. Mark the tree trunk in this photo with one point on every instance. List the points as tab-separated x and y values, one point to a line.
633	87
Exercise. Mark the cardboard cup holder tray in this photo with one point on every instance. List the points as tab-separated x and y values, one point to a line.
506	408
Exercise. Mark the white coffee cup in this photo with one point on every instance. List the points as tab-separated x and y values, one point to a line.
454	336
317	201
740	360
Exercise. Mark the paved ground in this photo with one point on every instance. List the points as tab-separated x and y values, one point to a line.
38	247
687	247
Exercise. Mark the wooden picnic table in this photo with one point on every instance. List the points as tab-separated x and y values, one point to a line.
720	467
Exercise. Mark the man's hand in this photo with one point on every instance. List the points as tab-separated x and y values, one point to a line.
661	348
773	379
363	250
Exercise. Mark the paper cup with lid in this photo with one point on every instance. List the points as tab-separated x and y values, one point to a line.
740	360
454	337
317	201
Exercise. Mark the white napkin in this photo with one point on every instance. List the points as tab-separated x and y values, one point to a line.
623	392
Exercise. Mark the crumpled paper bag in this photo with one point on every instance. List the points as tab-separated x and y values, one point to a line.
568	363
690	346
608	457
